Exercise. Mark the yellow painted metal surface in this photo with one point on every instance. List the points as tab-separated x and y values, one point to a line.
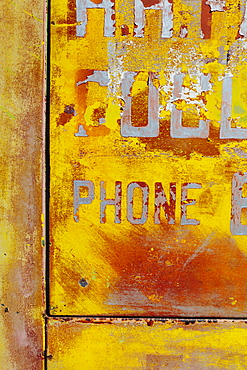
109	268
192	262
73	345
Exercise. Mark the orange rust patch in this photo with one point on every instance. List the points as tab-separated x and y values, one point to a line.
148	3
66	116
96	1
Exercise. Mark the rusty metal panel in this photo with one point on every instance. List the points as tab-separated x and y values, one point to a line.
74	345
126	237
148	158
21	113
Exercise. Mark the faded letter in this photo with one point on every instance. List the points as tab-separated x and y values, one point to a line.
216	5
152	129
167	17
185	202
161	201
177	129
243	26
238	203
130	200
114	202
226	131
102	78
81	16
82	200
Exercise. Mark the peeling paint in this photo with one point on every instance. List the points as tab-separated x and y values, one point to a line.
146	199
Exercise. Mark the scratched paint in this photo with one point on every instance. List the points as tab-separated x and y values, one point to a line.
148	168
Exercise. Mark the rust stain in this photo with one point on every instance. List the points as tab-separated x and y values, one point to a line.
206	20
148	3
66	116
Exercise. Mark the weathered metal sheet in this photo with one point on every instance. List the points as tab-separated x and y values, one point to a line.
21	114
73	345
148	158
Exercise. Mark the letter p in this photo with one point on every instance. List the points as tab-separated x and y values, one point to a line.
78	200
